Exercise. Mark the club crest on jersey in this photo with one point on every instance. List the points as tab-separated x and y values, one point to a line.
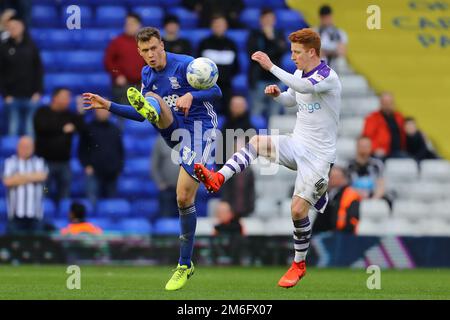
317	77
174	83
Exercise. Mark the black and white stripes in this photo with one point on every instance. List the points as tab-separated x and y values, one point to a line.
302	236
24	201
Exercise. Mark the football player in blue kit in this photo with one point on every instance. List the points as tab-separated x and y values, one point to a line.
183	115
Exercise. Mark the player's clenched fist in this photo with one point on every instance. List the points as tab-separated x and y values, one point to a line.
272	90
94	101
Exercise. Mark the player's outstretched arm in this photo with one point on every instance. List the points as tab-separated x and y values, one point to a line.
211	94
94	101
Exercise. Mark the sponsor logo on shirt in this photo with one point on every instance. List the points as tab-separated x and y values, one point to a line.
309	107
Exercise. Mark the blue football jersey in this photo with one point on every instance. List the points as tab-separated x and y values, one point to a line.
171	83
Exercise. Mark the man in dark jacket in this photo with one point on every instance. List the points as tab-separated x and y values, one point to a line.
271	41
54	127
172	41
101	154
222	50
21	75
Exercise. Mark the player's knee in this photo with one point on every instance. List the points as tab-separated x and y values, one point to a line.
299	209
184	199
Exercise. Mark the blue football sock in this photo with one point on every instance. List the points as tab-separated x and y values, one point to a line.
188	222
154	103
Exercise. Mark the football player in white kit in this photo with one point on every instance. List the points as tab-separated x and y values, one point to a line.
315	90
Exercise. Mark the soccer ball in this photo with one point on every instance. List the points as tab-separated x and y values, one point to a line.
202	73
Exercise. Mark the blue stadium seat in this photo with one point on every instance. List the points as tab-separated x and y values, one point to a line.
50	60
60	223
78	187
76	167
3	210
130	187
44	16
98	39
239	36
171	3
73	81
150	189
49	209
250	17
55	38
166	226
145	208
144	146
240	84
287	63
2	228
133	3
46	2
80	60
136	226
137	167
110	16
290	20
64	207
244	62
188	19
78	2
8	145
195	36
113	208
99	82
104	223
151	16
86	15
259	122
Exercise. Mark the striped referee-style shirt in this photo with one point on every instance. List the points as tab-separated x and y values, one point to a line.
25	201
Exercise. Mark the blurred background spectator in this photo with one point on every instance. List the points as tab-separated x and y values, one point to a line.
77	222
385	128
334	40
54	127
164	171
239	191
417	144
24	176
342	211
22	8
206	9
172	41
123	61
21	81
366	173
223	51
101	154
271	41
4	18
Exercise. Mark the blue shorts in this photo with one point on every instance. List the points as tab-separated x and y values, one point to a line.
196	140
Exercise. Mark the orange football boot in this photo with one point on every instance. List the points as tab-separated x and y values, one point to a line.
293	275
212	180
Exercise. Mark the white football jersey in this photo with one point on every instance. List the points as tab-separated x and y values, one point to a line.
318	111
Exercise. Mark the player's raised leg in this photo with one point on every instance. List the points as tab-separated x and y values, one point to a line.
239	161
186	190
302	236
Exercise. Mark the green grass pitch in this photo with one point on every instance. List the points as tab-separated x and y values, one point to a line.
222	283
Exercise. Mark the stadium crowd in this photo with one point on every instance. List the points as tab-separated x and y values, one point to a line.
111	169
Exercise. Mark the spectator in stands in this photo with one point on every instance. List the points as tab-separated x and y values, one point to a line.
22	9
24	176
238	119
385	128
271	41
172	41
54	127
239	192
164	171
229	227
101	153
77	222
123	61
223	51
21	77
206	9
334	40
417	145
366	173
342	211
